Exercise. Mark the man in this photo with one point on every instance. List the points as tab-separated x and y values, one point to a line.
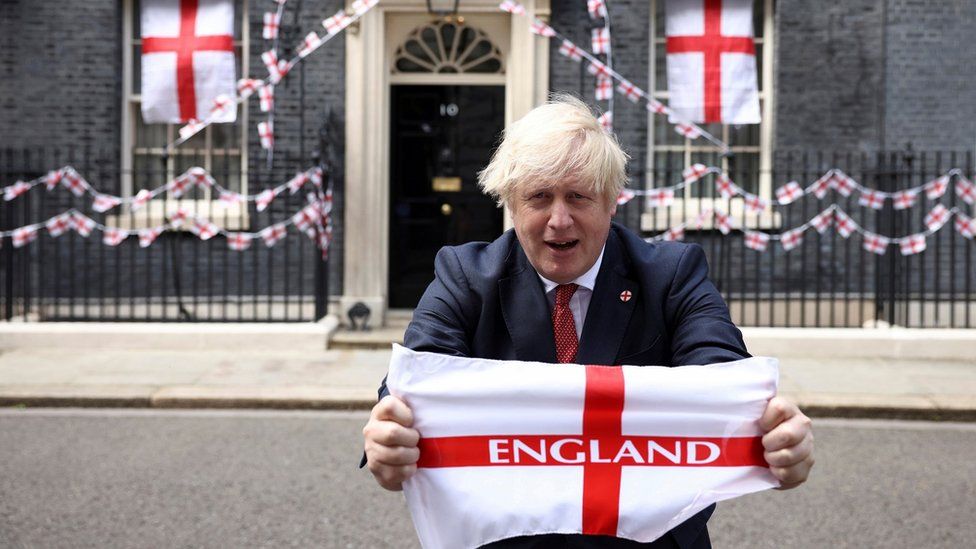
568	285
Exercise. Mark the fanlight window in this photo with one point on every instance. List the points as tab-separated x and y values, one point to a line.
447	47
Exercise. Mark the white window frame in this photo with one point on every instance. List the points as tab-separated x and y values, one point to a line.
158	210
685	203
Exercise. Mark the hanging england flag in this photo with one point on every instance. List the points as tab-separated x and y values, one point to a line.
187	60
712	61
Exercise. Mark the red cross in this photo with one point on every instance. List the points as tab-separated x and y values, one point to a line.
625	296
712	44
602	410
687	130
185	45
822	221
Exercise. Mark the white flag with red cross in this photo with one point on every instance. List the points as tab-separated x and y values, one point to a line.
755	240
630	91
791	239
693	173
936	218
914	244
606	121
842	183
618	451
674	234
965	225
597	8
603	90
187	59
82	224
871	199
937	187
600	40
966	190
787	194
105	202
875	243
844	224
690	131
23	236
15	190
114	237
660	198
542	29
568	49
239	241
724	186
59	224
273	234
712	61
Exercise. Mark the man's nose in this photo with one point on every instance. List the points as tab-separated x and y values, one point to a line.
560	217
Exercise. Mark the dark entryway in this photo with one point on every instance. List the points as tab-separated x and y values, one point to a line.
440	137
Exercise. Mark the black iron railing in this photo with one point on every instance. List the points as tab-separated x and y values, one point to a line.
826	281
179	277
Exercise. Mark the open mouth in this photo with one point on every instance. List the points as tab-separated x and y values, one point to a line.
562	245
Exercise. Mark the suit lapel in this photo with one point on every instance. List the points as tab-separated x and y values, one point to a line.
609	314
526	311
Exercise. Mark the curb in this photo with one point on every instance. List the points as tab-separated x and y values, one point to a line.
256	403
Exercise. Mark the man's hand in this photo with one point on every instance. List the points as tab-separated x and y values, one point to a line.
391	443
788	442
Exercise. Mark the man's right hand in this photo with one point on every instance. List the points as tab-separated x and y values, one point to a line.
391	443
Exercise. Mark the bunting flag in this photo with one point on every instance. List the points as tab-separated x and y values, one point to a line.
787	194
542	29
630	91
694	172
822	221
936	218
604	88
58	225
239	241
966	190
114	237
606	121
272	22
359	7
903	200
568	49
266	133
588	465
791	239
913	244
724	186
756	240
333	25
247	86
24	235
871	199
266	95
875	243
309	44
965	225
843	223
842	183
937	187
273	234
660	198
597	8
755	203
601	40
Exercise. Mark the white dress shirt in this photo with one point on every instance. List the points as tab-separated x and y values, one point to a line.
580	302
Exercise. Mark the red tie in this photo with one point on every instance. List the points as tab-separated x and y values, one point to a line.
563	326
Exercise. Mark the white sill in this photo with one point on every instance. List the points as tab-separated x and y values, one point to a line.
658	219
156	213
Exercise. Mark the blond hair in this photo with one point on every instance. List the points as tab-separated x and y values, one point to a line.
554	141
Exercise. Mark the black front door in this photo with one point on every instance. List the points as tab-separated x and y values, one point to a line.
441	136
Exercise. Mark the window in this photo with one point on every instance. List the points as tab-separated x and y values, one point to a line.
751	144
218	148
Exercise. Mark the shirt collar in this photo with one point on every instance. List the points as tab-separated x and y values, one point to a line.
586	280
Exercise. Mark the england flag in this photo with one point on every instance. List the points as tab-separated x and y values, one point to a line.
187	60
711	61
518	448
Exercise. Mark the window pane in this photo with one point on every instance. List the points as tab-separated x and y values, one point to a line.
225	136
660	68
149	135
148	172
744	135
137	69
744	170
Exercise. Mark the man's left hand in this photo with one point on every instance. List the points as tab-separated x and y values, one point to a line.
788	442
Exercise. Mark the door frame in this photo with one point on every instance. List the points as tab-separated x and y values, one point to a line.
369	48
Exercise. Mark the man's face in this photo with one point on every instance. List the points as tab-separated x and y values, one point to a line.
561	227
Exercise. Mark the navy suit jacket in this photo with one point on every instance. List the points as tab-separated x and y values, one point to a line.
487	301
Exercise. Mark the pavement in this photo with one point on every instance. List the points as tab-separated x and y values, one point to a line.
275	366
